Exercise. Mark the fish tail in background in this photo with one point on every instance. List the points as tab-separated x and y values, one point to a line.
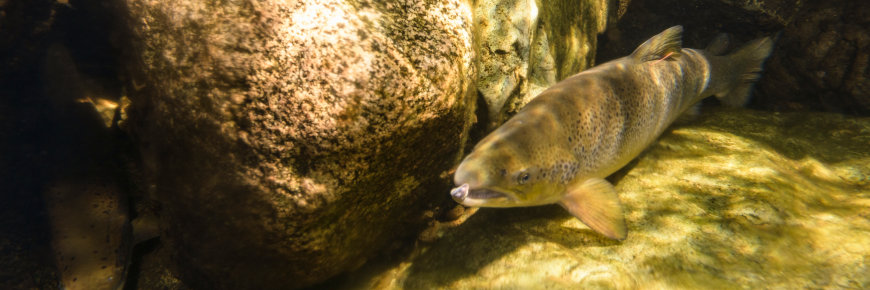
734	74
719	45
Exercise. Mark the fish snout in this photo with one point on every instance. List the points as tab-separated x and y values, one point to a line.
460	193
470	172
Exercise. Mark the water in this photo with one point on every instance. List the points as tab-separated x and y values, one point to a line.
776	195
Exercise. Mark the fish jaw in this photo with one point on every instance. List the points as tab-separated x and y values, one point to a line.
498	197
476	182
483	197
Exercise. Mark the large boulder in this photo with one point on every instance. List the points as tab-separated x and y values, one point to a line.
742	199
288	141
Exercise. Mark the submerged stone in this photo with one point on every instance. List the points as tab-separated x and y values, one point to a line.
288	142
737	199
525	46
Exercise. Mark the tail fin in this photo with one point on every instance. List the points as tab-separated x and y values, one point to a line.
737	72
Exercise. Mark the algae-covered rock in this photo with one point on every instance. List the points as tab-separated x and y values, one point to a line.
741	199
824	62
291	140
820	62
524	46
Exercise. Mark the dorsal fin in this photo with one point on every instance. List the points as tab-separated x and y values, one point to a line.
666	44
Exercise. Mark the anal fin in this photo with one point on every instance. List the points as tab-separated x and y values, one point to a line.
595	203
691	114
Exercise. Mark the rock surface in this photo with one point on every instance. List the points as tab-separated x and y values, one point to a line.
740	199
820	62
25	251
291	141
85	198
823	63
523	47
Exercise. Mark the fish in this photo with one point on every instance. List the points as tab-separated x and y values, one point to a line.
561	146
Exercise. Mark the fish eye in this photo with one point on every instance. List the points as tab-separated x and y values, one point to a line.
523	177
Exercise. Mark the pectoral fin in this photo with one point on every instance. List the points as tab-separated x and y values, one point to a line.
595	203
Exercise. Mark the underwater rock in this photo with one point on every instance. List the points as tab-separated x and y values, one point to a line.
740	199
62	199
90	234
820	62
25	26
290	141
84	197
524	47
823	62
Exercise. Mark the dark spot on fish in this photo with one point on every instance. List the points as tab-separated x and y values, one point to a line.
73	258
103	267
66	267
500	51
75	279
502	172
104	259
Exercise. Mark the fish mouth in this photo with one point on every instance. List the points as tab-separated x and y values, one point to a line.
485	194
478	197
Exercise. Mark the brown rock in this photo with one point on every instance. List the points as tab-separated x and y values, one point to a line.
289	142
819	62
525	46
822	63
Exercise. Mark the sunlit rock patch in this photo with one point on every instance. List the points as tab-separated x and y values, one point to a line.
738	199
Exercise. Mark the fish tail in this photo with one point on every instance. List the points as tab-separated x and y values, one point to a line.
734	74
